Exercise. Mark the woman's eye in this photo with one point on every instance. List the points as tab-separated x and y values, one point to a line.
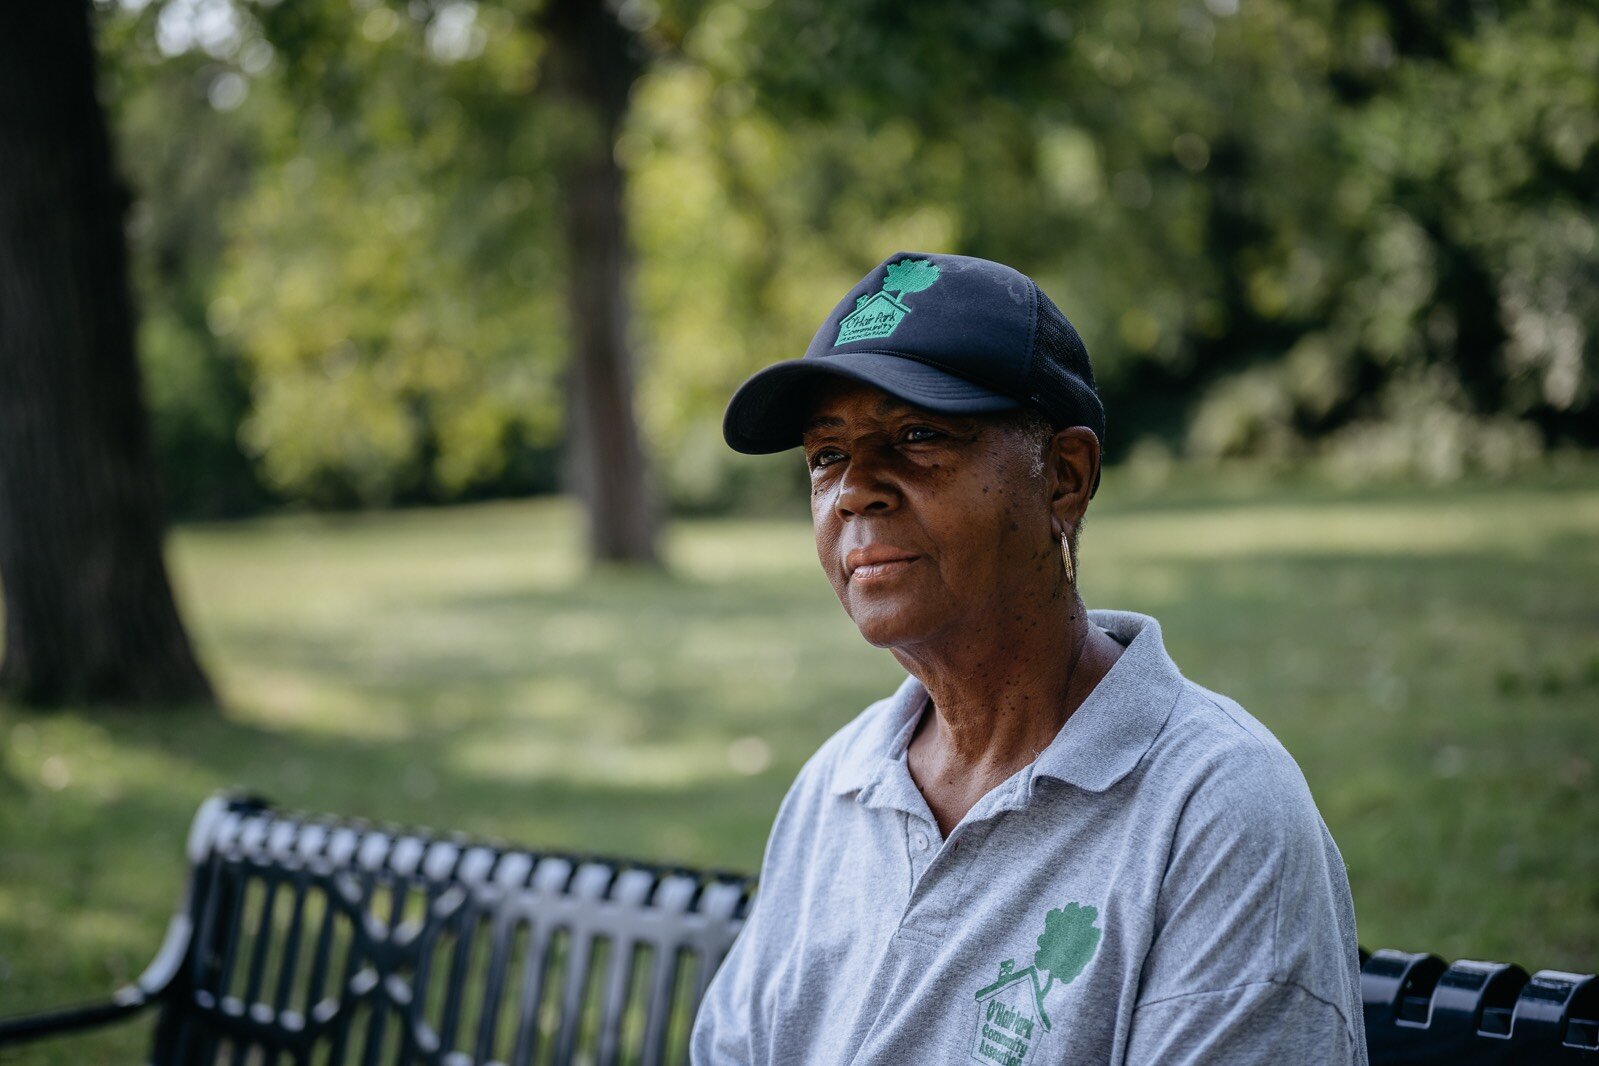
921	433
825	457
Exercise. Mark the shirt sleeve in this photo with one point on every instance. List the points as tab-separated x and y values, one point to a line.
1254	956
724	1029
731	1024
1264	1022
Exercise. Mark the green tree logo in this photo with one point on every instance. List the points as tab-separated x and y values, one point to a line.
878	314
1067	944
910	275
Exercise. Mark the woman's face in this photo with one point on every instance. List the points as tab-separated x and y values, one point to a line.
929	526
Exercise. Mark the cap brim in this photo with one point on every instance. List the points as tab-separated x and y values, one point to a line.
766	412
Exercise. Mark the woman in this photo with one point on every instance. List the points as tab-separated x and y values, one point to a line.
1048	846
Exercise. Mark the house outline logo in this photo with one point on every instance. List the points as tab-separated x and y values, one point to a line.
1012	1020
878	314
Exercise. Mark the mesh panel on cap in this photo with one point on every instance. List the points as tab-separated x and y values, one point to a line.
1061	377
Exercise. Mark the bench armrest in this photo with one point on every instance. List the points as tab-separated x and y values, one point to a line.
23	1027
152	985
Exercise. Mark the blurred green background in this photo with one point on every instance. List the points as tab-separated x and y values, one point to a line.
1351	233
1335	261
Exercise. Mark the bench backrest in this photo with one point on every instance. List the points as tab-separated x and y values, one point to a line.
1420	1009
314	940
318	940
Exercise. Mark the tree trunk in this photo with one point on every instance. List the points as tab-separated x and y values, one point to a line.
89	613
590	74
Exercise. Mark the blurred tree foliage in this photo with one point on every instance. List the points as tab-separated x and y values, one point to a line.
1333	229
371	266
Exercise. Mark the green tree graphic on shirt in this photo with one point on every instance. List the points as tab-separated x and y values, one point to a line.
1067	944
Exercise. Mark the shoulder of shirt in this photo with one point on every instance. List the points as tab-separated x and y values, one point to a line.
1224	720
1222	750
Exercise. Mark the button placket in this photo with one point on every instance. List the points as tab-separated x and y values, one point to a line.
918	851
921	849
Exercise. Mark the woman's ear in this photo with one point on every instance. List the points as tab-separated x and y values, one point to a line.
1071	466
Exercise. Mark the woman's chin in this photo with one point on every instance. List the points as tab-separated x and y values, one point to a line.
890	626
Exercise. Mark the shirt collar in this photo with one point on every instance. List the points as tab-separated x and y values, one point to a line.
1099	744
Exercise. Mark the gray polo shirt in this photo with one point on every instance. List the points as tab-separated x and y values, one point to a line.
1156	887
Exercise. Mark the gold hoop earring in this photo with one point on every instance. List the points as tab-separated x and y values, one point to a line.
1066	555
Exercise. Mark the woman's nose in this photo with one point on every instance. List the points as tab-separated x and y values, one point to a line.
866	488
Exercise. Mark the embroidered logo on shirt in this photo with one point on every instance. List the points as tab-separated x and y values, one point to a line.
1011	1019
877	314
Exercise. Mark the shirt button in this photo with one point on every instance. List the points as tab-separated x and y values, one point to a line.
921	841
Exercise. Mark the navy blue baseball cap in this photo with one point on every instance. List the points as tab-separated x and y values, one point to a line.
949	333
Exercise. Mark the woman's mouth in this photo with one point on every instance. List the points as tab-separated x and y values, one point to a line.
878	562
874	572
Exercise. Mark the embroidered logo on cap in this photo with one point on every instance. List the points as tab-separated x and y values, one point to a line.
1011	1020
877	314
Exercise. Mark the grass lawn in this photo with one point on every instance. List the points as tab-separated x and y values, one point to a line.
1431	658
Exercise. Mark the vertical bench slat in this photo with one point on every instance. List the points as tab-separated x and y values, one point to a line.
386	1017
534	967
177	1044
393	1020
234	920
210	1046
474	868
205	959
460	973
399	890
322	956
371	859
613	999
376	1033
241	978
543	907
588	887
236	1052
718	903
672	898
658	1002
510	874
339	1041
337	848
404	884
378	1005
291	949
435	867
348	1021
263	940
579	950
632	889
404	859
501	940
441	916
354	891
540	909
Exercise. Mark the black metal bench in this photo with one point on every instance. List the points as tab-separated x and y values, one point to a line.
309	940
